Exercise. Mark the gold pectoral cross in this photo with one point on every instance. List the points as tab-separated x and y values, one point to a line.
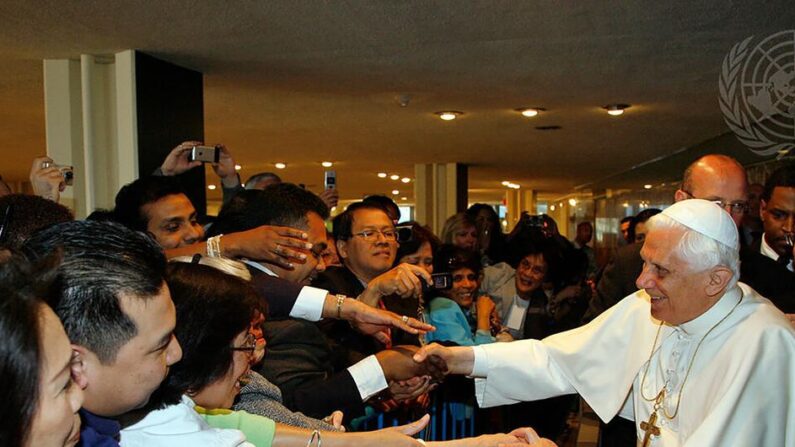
650	429
648	426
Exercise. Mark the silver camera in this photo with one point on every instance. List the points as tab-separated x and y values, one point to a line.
67	171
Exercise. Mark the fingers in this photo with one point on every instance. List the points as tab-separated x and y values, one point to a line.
414	427
526	434
411	325
382	337
290	232
426	351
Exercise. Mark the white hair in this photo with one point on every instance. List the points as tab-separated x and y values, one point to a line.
226	265
699	251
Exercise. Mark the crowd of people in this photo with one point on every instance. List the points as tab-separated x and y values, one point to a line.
272	324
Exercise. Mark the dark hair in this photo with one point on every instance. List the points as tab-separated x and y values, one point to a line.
343	223
627	219
475	209
256	178
132	197
212	309
102	261
21	358
450	258
639	218
783	177
22	215
419	235
388	205
281	204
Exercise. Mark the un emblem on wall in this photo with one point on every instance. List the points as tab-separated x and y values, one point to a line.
757	93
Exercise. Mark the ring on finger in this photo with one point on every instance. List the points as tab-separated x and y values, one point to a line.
404	319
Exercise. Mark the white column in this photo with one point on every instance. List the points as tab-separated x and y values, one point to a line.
436	193
91	124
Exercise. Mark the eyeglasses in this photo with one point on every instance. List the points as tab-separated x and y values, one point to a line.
739	207
249	345
372	235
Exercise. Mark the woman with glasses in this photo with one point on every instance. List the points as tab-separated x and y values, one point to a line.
40	399
214	312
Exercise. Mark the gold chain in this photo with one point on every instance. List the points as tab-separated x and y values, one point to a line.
689	367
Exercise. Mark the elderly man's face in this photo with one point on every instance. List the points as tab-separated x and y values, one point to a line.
677	293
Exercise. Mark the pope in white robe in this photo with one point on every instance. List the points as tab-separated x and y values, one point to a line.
696	359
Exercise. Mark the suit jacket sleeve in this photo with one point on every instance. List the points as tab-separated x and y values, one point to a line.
279	294
320	398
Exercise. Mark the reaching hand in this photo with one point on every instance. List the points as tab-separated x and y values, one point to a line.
267	243
372	321
330	197
335	419
47	182
406	390
403	280
398	364
176	161
459	359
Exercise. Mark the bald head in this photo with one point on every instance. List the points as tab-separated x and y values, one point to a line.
716	177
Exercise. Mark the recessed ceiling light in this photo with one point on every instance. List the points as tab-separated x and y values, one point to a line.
280	165
625	205
382	174
395	192
238	167
211	187
573	202
327	164
449	115
616	109
405	180
647	186
530	112
394	177
403	198
506	183
552	207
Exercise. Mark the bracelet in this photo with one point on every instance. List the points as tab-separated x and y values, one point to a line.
214	246
421	441
340	301
312	439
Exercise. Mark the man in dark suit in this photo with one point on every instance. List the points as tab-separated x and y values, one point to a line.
300	360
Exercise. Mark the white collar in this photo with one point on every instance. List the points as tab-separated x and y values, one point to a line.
768	251
704	322
260	267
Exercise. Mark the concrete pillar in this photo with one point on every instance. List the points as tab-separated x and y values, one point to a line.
90	124
513	207
528	199
440	190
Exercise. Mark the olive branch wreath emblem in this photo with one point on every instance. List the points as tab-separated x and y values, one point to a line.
731	105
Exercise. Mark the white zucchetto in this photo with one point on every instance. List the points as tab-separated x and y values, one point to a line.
706	218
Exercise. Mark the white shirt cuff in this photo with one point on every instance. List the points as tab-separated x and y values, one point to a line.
369	377
309	304
480	368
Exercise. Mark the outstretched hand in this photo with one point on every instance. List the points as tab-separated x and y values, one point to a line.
458	359
372	321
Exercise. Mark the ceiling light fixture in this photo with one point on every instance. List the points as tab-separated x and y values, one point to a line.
403	198
530	112
395	192
449	115
506	183
211	187
647	186
280	165
394	177
405	180
616	109
327	164
382	174
238	167
573	202
552	207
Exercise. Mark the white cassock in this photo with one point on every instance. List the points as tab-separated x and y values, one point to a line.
740	391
